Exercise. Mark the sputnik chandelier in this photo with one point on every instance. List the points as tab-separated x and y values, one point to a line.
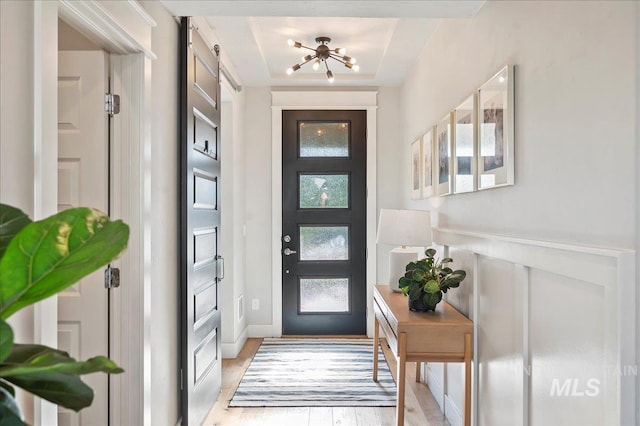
321	55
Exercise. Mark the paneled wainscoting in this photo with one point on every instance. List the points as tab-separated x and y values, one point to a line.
554	332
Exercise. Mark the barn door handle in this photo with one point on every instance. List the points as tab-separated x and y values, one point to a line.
221	275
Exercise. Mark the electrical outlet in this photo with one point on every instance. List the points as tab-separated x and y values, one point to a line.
255	304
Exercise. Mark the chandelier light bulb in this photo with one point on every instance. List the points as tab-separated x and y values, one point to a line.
316	65
353	60
294	68
330	76
290	42
356	68
341	50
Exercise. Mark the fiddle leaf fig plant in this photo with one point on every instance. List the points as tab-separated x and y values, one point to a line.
427	279
37	260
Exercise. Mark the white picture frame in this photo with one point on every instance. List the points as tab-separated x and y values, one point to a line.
442	156
416	169
465	146
496	131
428	178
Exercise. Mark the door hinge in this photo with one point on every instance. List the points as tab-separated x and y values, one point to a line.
111	277
111	104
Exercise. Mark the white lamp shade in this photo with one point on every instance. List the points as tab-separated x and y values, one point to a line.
404	227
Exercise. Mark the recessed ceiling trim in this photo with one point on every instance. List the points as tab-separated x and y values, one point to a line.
390	32
253	27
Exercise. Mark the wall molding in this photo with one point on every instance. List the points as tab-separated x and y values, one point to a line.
613	270
231	350
262	330
452	412
124	27
142	13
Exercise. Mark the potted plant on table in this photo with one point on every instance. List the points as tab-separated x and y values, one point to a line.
427	279
38	260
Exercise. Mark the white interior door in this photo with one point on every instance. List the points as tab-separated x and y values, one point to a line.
83	181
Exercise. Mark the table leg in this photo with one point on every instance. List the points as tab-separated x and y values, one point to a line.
375	348
467	380
418	371
402	364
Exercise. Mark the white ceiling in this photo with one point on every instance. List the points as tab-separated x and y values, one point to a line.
384	36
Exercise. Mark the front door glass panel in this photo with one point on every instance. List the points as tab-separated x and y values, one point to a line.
318	139
323	191
324	295
324	243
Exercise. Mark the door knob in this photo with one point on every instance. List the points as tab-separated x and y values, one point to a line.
289	252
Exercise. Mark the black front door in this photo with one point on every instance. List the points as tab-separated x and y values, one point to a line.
324	222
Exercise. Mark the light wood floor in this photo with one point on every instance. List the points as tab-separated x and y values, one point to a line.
424	413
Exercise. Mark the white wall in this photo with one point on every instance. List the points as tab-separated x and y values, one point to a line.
165	386
637	203
16	131
28	151
576	130
232	288
257	130
389	164
70	39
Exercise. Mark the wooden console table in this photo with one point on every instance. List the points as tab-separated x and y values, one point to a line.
440	336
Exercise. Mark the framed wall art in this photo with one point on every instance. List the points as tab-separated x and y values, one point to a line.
416	169
428	187
495	131
442	155
464	146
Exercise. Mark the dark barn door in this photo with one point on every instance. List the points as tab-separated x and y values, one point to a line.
324	222
201	355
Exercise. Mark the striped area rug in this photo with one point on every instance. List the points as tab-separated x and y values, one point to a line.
315	373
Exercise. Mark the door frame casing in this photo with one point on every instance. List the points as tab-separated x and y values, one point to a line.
123	28
302	100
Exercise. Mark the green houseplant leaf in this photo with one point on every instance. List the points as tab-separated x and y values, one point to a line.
47	256
62	389
8	417
6	386
53	375
38	260
6	340
12	220
425	281
29	359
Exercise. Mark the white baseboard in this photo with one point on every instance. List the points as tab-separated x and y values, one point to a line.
437	388
231	350
263	331
452	412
